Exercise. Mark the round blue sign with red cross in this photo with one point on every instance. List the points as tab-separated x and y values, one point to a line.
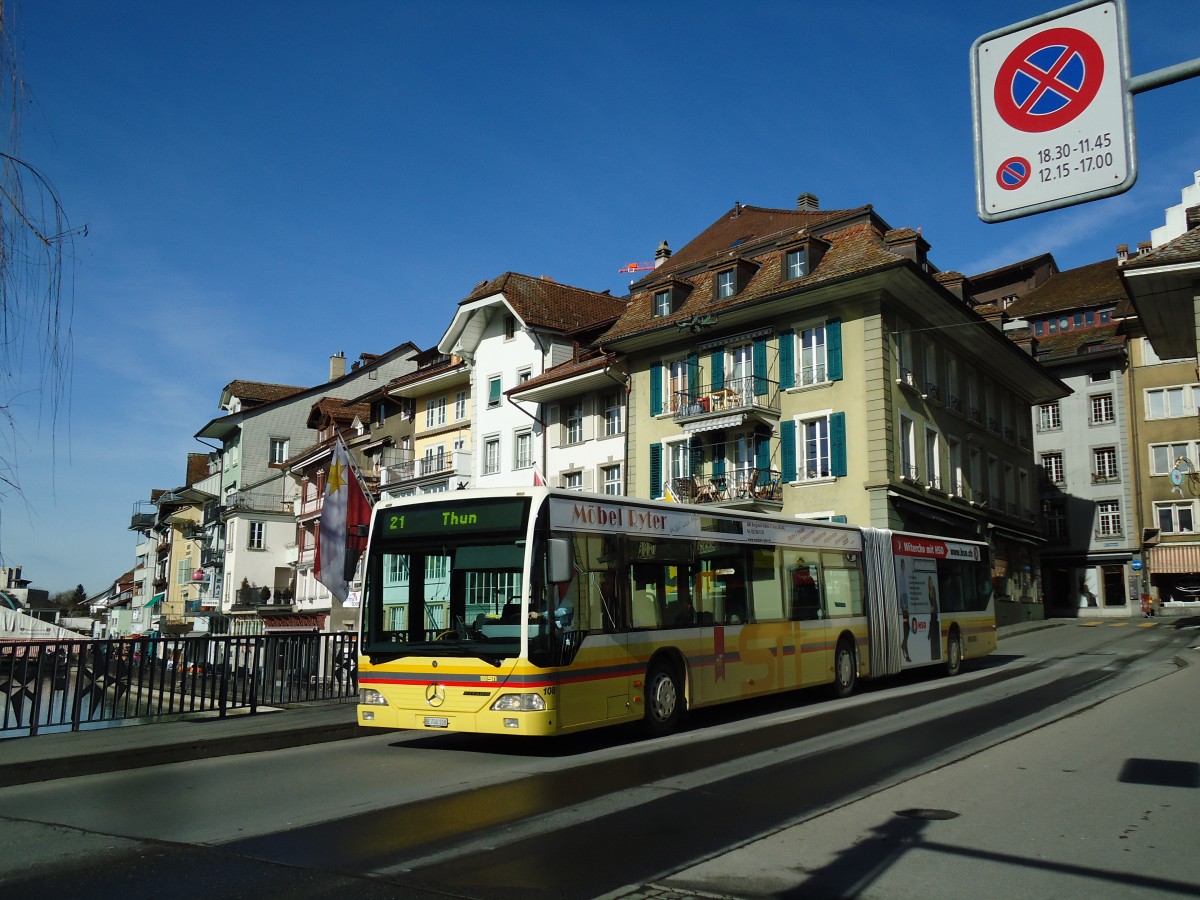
1013	173
1049	79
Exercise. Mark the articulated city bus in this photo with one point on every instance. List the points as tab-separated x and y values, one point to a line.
540	611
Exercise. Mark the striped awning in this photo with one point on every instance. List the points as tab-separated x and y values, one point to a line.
731	421
1175	559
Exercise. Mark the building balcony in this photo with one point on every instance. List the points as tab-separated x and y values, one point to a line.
212	512
210	558
733	487
737	399
456	464
257	501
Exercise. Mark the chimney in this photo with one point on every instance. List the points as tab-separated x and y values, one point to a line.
807	202
1144	247
662	254
337	365
1122	254
737	209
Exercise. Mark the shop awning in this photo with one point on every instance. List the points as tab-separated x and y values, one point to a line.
1175	559
157	598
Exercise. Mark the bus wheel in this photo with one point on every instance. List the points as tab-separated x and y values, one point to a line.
664	702
953	653
845	669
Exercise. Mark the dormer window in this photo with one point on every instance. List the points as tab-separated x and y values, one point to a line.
662	303
726	284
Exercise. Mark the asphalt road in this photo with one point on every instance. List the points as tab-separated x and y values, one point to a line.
405	815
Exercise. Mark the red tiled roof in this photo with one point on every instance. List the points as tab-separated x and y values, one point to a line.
1071	343
1183	249
740	226
1093	285
197	468
854	250
548	304
253	392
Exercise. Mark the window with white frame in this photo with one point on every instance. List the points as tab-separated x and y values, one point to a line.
933	459
572	481
1108	518
1049	417
574	409
1100	375
1102	409
611	478
662	303
435	412
183	571
510	327
1104	463
908	448
491	455
678	459
812	446
677	384
1171	402
494	391
435	459
614	414
1163	456
257	539
460	406
523	449
524	374
797	264
811	358
904	353
1052	467
954	452
726	284
278	451
1176	518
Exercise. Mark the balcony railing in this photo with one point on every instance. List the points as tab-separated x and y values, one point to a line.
747	394
258	501
704	486
454	464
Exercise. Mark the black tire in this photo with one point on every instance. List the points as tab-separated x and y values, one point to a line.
953	653
845	669
664	701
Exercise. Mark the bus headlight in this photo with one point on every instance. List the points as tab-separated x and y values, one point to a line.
519	703
371	697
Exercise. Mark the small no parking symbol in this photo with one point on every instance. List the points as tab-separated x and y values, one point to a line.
1013	173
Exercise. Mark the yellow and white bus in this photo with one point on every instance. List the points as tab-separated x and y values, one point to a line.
540	611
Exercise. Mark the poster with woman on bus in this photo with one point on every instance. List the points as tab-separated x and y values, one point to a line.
917	584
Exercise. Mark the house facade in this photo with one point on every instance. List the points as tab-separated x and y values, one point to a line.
816	364
508	331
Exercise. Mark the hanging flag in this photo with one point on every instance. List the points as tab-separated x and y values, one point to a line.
342	532
538	480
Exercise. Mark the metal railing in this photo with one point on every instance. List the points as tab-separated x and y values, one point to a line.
56	685
704	486
744	394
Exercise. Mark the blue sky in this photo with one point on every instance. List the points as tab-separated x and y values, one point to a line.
267	183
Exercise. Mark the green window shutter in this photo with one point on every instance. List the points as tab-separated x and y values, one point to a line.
696	458
762	458
494	392
837	444
787	449
718	454
759	358
656	374
693	376
787	359
841	519
717	364
833	350
656	479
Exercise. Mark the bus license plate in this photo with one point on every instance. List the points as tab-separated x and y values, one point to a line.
437	722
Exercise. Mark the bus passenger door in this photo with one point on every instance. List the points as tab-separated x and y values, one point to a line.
811	628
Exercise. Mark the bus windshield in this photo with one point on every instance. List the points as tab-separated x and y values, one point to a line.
445	578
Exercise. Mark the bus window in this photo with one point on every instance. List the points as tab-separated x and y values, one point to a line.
662	593
800	574
843	583
721	585
767	599
596	606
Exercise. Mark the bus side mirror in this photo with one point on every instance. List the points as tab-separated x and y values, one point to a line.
559	564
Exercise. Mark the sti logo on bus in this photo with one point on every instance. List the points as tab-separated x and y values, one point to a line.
618	517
